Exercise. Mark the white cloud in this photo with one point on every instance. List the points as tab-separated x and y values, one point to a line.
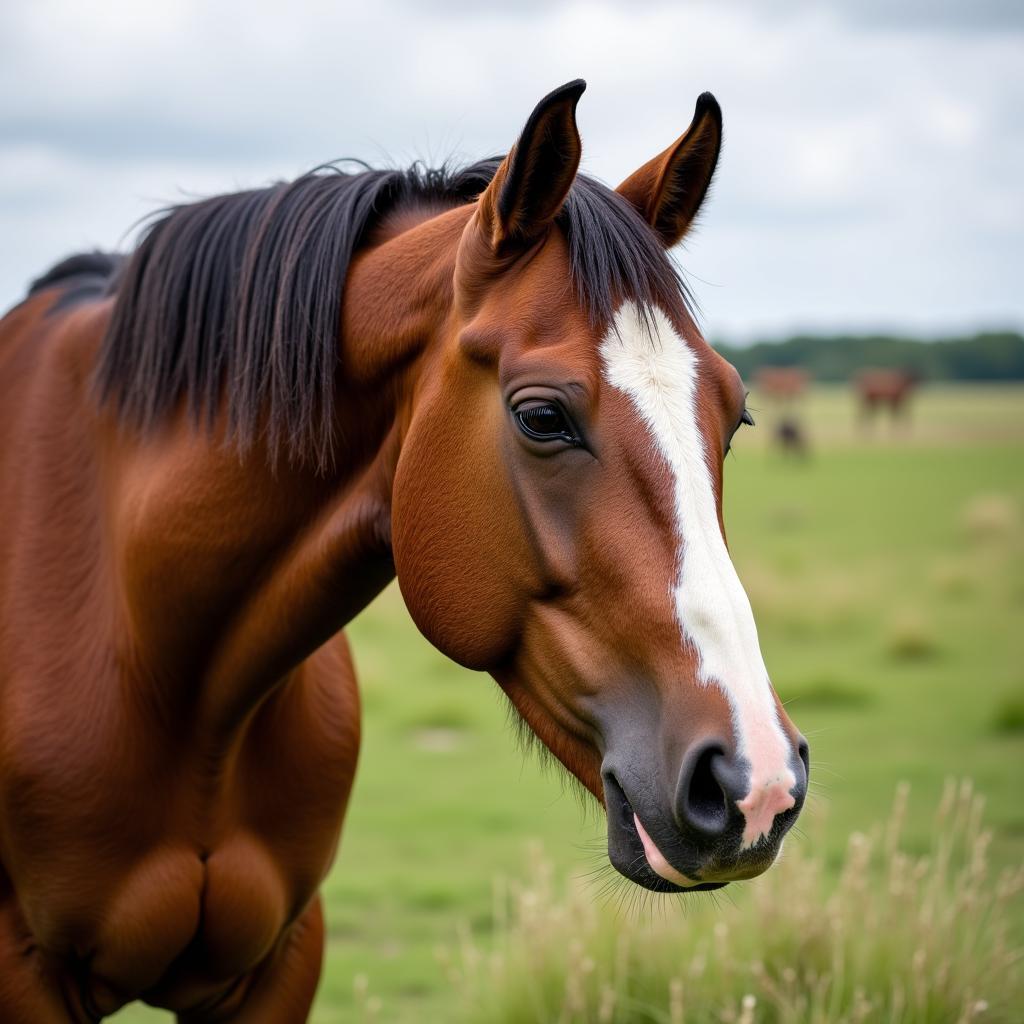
871	174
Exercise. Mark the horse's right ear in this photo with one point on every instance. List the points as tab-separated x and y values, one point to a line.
531	184
668	190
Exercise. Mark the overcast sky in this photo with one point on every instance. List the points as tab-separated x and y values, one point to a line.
871	177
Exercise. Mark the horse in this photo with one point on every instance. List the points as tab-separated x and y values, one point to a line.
782	383
884	389
782	387
485	381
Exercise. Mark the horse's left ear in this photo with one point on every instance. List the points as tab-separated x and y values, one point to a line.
532	182
669	189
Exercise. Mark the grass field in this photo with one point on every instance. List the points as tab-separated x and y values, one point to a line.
887	575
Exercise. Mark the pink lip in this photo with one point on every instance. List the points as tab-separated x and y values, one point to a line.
656	859
760	808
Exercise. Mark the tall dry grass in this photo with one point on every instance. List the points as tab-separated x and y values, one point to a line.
893	937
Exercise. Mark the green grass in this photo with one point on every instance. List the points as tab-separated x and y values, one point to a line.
887	575
892	936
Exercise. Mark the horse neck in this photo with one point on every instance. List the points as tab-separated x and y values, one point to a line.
322	544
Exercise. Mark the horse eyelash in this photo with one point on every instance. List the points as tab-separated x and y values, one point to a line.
746	418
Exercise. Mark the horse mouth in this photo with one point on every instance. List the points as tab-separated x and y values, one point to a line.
636	856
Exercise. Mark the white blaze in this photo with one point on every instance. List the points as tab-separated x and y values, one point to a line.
660	375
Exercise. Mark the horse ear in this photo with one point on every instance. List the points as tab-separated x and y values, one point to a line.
669	189
532	182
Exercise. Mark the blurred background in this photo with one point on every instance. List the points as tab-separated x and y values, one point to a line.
860	260
873	156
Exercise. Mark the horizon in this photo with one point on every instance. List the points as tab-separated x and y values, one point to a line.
969	333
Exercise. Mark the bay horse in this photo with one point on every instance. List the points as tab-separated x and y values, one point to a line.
884	389
782	383
484	381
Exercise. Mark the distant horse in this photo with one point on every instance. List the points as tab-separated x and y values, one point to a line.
879	390
782	383
485	381
782	387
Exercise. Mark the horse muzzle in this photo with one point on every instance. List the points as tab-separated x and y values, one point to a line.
720	823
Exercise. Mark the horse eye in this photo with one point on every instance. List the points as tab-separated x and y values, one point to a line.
544	422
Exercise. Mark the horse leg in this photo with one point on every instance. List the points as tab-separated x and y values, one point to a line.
26	995
30	991
900	410
282	988
867	412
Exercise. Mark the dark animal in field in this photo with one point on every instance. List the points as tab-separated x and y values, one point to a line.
781	388
790	437
485	381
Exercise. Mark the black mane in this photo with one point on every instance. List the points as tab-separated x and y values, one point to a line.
86	275
237	298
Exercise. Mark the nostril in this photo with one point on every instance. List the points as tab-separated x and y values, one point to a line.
805	755
705	803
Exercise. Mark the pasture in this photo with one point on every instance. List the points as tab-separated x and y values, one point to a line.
887	576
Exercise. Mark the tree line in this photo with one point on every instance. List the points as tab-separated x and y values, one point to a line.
991	356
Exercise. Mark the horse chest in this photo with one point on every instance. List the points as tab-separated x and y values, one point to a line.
184	926
173	879
172	926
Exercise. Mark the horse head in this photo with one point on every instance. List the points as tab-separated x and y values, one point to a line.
557	507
